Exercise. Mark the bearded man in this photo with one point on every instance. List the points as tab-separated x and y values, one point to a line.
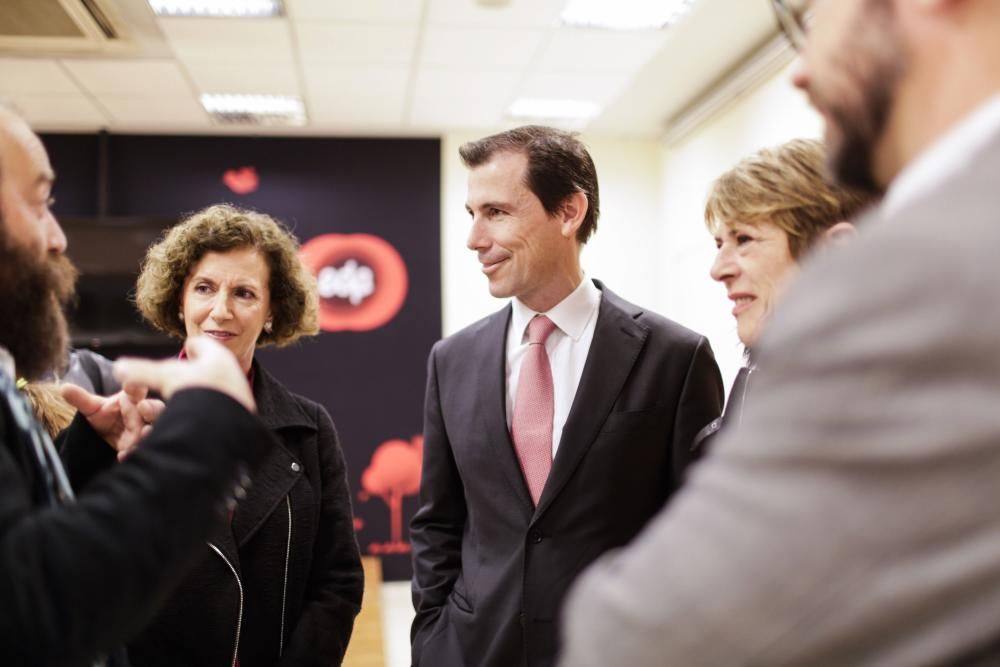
852	518
80	576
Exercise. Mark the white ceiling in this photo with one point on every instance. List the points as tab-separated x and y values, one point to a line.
377	67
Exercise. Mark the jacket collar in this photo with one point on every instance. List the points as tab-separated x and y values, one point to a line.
276	406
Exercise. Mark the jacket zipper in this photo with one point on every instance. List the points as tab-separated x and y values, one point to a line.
284	589
239	618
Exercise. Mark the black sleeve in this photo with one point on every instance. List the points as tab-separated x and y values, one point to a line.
79	579
701	401
436	528
84	453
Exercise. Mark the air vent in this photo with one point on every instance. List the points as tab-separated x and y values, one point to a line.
43	26
100	18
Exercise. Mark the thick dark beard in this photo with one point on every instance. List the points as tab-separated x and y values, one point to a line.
875	64
33	294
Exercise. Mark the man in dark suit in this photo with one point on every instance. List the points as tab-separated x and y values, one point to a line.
853	518
554	428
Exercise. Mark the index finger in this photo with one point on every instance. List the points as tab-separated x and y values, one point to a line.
135	391
154	375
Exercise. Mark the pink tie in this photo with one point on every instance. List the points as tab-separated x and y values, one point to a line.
531	426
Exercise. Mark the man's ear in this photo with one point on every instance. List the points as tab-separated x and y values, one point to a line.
571	214
840	234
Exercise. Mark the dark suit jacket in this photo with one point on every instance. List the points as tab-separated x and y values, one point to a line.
491	570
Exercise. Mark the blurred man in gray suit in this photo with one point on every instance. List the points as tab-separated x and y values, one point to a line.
854	517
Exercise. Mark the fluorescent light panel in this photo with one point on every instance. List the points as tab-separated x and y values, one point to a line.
222	8
625	14
263	109
542	109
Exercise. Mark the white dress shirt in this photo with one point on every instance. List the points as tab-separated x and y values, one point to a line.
944	156
567	346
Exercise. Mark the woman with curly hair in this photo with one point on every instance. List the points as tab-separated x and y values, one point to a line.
281	582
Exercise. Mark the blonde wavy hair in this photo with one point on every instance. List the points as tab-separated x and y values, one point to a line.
222	228
49	407
787	185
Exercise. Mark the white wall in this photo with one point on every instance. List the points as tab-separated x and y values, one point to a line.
768	115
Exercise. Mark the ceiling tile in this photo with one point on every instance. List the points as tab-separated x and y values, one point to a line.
463	113
599	50
151	111
230	40
63	111
483	47
518	13
353	44
595	86
24	76
381	11
337	81
152	78
260	78
458	86
356	110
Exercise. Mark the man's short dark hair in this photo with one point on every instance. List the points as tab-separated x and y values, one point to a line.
558	166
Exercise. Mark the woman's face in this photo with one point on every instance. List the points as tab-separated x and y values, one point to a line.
226	296
755	265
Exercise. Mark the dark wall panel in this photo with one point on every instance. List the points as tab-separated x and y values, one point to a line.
371	381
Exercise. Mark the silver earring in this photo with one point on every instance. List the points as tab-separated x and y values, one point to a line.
180	316
267	326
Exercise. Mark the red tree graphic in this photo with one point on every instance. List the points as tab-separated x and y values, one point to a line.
394	472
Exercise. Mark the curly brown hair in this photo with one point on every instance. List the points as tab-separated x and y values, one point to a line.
221	228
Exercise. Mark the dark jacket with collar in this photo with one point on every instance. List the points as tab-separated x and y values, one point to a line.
78	578
290	546
490	569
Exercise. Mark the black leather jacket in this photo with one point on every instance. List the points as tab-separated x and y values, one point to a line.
281	582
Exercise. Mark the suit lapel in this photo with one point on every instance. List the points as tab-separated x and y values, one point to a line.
617	341
492	401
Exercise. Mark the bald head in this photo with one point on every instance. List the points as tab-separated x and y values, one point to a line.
26	179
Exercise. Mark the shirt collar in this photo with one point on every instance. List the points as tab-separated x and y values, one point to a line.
945	156
570	315
6	362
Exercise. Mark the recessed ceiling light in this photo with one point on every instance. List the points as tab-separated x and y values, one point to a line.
542	109
625	14
221	8
255	109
